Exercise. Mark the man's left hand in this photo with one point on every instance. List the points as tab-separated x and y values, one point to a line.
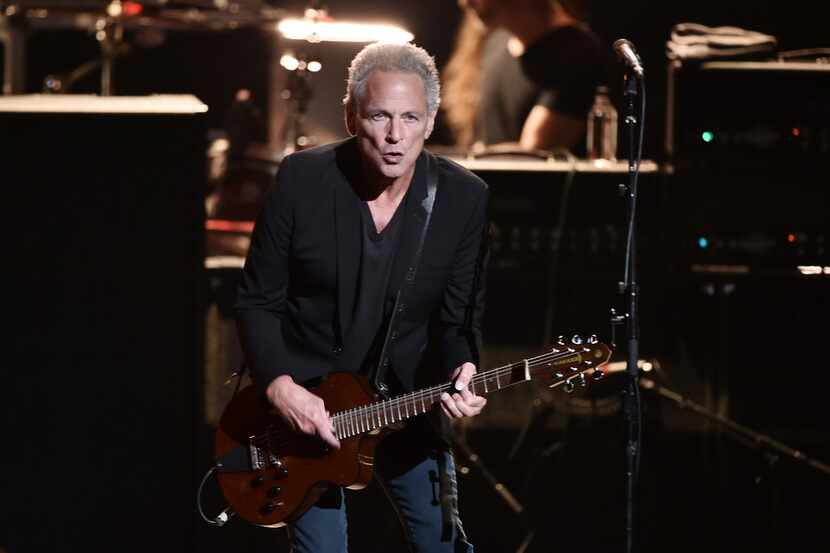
462	402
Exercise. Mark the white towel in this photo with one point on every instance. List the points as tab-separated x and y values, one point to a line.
695	41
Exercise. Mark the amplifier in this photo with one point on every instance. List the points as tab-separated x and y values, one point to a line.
104	206
751	116
558	244
748	143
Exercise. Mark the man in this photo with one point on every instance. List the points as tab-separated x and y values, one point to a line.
538	66
332	247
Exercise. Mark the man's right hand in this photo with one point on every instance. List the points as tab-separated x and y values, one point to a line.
303	411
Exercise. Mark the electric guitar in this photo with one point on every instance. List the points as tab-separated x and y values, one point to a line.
270	475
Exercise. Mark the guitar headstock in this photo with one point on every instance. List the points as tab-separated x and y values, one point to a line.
571	362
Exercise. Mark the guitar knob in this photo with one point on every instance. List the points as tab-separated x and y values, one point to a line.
274	492
592	339
577	339
257	481
560	340
582	381
280	470
598	374
569	386
267	508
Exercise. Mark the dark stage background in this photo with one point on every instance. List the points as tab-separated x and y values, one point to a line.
142	351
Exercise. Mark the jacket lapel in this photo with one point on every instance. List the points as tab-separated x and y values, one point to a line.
347	225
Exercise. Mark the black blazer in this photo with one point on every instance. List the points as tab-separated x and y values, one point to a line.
297	293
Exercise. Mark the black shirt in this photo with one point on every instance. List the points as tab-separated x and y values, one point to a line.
560	71
376	258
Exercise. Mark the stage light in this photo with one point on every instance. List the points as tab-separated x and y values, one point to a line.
791	238
289	62
314	66
132	8
114	8
331	31
703	242
707	136
796	131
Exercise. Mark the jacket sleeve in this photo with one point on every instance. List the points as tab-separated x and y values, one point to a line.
463	301
260	303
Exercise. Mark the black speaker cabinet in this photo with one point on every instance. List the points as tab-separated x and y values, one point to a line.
103	237
748	141
558	245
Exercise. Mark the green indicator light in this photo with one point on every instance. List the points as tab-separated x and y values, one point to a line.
707	136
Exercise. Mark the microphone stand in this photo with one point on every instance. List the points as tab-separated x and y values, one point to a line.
629	288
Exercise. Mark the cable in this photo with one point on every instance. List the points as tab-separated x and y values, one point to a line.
631	216
629	260
222	517
558	232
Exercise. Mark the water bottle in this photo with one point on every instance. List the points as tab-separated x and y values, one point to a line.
602	127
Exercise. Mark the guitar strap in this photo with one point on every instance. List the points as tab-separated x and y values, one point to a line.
446	483
379	377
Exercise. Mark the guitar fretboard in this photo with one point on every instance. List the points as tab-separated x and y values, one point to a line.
377	415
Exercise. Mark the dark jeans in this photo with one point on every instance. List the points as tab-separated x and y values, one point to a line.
408	471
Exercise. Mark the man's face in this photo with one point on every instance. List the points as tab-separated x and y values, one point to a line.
391	123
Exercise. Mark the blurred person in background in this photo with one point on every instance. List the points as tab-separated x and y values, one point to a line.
522	75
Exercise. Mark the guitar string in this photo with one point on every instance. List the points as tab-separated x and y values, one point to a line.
367	413
361	419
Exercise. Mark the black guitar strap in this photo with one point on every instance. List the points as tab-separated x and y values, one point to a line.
379	378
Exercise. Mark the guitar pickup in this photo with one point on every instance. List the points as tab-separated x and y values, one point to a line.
239	459
255	454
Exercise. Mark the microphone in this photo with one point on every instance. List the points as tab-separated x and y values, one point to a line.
625	51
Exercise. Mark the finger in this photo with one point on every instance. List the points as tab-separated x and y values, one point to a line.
464	376
467	395
448	402
466	409
324	432
477	405
476	402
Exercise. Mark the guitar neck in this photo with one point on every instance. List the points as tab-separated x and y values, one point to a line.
380	414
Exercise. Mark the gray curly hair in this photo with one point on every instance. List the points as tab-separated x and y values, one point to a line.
404	58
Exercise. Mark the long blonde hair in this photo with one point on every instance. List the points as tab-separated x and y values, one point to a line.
462	79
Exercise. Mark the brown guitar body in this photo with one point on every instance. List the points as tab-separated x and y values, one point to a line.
276	481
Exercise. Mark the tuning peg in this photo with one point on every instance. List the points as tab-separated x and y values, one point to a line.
592	339
560	340
569	386
577	339
582	381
